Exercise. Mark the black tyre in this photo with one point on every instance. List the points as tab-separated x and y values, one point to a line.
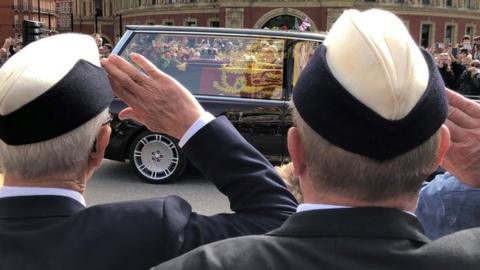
156	157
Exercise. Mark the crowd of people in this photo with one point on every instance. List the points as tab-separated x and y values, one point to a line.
13	45
362	144
460	65
172	51
9	48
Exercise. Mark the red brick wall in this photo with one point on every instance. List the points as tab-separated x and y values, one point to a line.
178	19
415	22
6	20
107	29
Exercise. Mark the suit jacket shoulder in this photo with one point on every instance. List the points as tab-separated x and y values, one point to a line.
57	233
369	238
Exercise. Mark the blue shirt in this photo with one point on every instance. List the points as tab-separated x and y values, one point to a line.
446	205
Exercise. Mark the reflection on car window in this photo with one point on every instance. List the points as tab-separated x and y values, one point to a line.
302	53
226	66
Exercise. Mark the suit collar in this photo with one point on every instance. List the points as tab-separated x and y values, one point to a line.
353	222
38	206
13	191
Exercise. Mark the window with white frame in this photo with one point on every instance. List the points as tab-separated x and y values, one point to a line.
190	22
168	22
15	21
449	34
470	30
426	34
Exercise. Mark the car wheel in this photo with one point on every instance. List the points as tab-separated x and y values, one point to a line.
156	157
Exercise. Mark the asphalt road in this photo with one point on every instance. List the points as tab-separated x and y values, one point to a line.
116	181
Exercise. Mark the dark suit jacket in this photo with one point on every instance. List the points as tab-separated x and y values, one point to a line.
53	232
352	238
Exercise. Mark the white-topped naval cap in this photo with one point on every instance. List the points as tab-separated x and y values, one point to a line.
25	77
379	64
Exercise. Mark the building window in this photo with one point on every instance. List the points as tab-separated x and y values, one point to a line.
470	30
15	4
25	5
399	1
449	34
448	3
190	22
168	22
425	2
467	3
425	35
214	23
15	21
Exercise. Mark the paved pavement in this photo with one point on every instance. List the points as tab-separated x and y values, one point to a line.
116	181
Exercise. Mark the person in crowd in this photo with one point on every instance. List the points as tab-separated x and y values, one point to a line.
476	48
363	141
54	102
469	80
458	68
3	56
444	63
465	43
447	205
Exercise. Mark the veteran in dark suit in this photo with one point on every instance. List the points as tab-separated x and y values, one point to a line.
368	129
54	99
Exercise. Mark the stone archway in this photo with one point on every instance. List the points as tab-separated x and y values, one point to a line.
284	11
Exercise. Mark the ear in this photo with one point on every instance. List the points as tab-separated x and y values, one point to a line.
443	144
296	150
101	143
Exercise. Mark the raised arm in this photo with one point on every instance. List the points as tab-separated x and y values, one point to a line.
256	193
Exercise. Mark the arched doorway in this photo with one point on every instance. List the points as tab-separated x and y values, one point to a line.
286	19
284	22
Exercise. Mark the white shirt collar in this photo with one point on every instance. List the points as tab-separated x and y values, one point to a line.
7	191
314	206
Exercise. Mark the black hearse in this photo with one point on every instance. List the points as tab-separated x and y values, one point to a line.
244	74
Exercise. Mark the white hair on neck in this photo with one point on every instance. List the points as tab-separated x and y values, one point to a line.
64	155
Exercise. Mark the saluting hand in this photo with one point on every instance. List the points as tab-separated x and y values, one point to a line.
463	156
154	98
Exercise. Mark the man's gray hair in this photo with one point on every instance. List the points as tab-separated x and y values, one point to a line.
333	169
65	155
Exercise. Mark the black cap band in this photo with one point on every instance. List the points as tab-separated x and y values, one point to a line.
329	109
78	97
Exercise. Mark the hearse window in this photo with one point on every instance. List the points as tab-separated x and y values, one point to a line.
219	66
302	53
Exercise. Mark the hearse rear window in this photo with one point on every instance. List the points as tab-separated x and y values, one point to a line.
220	66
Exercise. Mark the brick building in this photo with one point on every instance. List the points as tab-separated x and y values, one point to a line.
13	12
429	21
